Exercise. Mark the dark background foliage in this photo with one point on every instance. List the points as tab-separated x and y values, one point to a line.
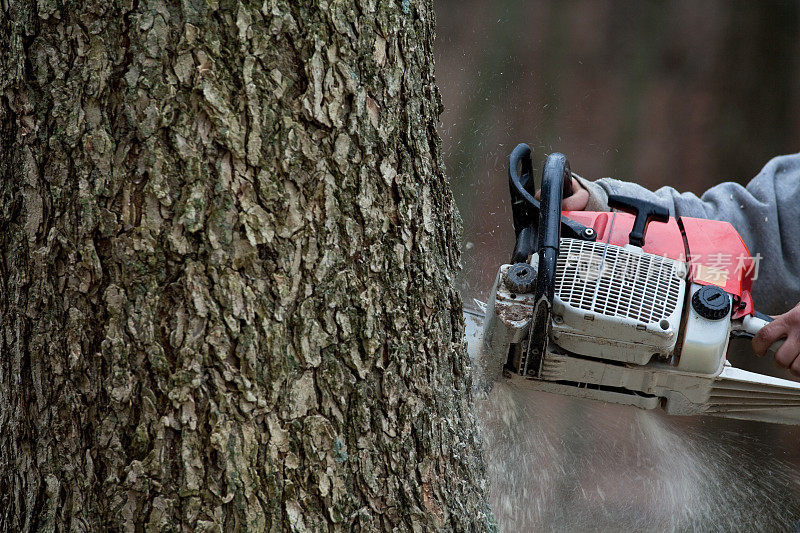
684	93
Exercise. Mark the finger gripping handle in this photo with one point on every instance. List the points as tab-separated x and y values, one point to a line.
754	323
644	211
567	190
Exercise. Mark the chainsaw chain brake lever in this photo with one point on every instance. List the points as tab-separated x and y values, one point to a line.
526	209
644	211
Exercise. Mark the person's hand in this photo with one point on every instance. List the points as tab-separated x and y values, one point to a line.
576	202
785	326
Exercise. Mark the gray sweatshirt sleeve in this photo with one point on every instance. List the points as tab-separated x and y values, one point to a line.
766	213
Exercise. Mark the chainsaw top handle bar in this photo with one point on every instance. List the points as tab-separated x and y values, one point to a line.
526	209
522	182
554	175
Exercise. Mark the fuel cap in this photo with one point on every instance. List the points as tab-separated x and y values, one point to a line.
520	278
711	302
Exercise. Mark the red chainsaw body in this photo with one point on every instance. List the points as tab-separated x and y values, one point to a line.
712	250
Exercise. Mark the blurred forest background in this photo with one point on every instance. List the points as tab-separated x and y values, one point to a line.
682	93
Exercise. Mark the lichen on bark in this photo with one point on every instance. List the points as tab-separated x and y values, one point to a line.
227	263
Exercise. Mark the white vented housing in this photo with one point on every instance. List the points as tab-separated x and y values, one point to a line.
686	389
616	303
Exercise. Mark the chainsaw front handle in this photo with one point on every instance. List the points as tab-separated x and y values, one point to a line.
526	208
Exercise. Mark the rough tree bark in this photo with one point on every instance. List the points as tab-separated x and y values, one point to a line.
226	279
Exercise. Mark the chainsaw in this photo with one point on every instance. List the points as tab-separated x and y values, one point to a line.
631	306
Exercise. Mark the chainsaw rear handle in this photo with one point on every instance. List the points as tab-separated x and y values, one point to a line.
752	324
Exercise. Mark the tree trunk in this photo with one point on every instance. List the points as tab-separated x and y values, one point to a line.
228	251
